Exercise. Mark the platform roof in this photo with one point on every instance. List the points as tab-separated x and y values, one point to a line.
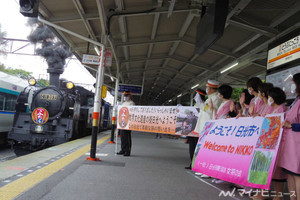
154	40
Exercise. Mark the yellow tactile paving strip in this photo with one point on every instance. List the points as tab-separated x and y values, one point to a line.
14	189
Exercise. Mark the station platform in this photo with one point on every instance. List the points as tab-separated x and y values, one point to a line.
155	170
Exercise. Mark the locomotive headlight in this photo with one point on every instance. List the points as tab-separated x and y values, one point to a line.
70	85
32	81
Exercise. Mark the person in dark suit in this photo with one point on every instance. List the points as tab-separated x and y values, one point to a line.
126	134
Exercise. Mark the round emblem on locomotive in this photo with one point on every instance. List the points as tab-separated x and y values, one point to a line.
40	115
39	128
123	117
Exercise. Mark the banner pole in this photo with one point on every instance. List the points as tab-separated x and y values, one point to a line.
114	114
97	106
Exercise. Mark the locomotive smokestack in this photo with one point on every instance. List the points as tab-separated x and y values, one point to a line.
52	50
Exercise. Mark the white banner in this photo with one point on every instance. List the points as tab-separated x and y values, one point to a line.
174	120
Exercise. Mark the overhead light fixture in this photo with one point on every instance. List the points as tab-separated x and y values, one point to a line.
179	95
111	78
230	67
170	100
97	50
171	7
195	86
288	77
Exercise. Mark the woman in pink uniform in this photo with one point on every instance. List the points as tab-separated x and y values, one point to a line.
289	155
276	100
224	110
224	93
245	99
256	104
263	94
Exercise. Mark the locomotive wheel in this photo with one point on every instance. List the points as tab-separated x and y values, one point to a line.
21	151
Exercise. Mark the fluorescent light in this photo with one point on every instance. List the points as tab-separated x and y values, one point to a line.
228	68
111	78
97	50
195	86
170	100
288	77
179	95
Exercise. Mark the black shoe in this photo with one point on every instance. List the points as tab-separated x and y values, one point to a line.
189	167
126	154
120	153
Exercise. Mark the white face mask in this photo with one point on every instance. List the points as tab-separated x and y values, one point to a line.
270	101
250	91
126	98
219	96
206	90
293	88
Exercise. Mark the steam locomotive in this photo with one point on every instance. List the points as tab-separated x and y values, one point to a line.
57	114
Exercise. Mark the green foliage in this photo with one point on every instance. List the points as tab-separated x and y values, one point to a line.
16	72
236	92
42	83
24	75
258	177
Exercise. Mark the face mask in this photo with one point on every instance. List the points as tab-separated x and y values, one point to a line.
293	88
270	101
250	91
126	98
219	96
206	90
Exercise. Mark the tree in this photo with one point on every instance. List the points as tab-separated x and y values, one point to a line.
42	83
236	92
16	72
24	75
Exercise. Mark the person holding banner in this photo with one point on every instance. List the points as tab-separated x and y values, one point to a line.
245	99
288	157
275	104
225	109
199	97
205	112
263	94
126	134
224	93
256	104
276	100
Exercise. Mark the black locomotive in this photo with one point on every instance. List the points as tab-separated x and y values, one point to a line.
68	116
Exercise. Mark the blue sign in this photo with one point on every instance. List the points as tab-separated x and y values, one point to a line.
134	89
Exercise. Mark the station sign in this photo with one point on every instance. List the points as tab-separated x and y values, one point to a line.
95	60
284	53
133	89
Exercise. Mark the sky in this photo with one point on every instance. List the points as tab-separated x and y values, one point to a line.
15	26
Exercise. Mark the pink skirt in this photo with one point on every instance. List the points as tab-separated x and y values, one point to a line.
289	154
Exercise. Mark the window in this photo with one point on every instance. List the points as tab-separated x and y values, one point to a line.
2	100
90	101
7	101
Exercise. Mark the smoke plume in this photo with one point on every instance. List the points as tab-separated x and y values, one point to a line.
53	51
